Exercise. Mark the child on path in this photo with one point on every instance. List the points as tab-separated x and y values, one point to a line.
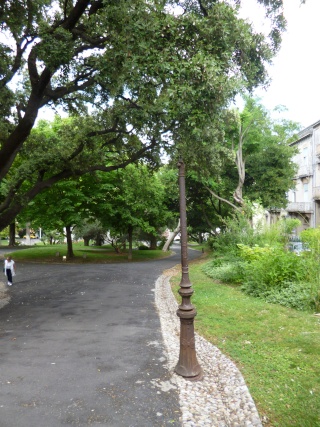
9	269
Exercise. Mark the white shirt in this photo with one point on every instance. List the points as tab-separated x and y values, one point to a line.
9	265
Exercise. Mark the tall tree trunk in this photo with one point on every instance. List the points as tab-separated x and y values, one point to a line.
240	163
153	242
130	233
28	239
98	241
172	235
12	234
70	253
86	241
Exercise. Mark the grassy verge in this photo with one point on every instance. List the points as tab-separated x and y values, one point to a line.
82	254
276	349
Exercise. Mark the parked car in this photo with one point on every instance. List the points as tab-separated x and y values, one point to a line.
298	247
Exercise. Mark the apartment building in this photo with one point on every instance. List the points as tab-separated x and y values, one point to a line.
304	200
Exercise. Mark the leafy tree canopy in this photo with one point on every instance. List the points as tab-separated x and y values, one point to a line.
262	154
144	72
258	160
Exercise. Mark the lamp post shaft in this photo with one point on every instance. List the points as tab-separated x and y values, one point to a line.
188	366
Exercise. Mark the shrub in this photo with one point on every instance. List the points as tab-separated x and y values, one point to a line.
143	248
227	272
272	270
271	274
311	237
266	269
237	230
294	295
250	254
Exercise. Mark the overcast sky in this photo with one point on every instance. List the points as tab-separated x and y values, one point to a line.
296	70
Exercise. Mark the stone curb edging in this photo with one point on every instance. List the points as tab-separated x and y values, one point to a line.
222	398
4	295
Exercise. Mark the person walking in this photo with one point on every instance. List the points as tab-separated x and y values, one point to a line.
9	269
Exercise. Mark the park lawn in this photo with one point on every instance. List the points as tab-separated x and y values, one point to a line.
82	254
276	349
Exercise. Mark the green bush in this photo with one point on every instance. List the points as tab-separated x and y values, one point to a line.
237	230
250	254
294	295
272	274
143	248
227	272
311	237
272	270
259	261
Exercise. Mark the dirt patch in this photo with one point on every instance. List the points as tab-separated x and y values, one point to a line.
173	271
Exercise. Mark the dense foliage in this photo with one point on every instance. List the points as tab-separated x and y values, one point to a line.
257	164
121	202
261	264
144	72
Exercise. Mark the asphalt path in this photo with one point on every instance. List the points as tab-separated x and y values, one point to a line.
81	345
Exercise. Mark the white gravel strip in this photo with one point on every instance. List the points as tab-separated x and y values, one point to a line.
222	398
4	295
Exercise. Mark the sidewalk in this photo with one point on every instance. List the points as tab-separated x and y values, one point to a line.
96	345
82	346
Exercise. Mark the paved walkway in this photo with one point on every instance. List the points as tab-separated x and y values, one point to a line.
83	345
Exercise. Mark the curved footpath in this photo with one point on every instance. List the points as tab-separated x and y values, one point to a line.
82	345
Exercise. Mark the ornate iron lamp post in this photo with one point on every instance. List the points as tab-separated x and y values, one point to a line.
188	366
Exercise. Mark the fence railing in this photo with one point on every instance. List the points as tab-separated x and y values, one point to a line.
299	207
305	170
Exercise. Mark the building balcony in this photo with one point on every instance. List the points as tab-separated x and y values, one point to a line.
304	170
299	207
316	193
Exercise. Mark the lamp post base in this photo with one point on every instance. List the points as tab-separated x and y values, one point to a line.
188	366
180	370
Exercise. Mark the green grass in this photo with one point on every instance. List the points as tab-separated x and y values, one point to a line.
82	254
199	247
276	349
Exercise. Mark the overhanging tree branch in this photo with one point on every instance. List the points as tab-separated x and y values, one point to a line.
222	199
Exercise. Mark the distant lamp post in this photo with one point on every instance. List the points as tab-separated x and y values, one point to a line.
188	366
